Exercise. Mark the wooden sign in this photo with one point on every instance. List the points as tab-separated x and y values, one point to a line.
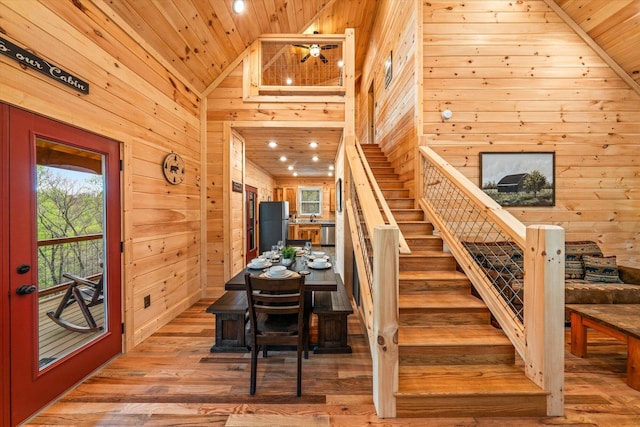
236	186
32	61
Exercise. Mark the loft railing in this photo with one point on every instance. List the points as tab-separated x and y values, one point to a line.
518	271
376	251
286	65
80	255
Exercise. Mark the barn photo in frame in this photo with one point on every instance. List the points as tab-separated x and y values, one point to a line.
519	179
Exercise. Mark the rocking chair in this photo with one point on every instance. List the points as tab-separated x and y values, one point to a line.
86	293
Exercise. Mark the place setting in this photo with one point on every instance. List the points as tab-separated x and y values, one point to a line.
278	272
259	264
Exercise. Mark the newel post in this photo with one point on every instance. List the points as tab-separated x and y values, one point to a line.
385	319
544	312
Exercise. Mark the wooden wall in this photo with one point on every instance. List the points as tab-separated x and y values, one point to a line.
395	112
136	100
517	78
227	109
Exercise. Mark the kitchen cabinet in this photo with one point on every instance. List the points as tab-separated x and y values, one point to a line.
332	200
309	232
287	194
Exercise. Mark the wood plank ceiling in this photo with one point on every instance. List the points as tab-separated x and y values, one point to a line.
201	38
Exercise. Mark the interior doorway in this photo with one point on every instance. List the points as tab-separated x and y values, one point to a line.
62	255
251	200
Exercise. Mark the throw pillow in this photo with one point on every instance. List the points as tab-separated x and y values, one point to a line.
601	269
574	251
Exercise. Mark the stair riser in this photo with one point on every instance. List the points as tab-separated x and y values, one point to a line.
386	177
421	228
457	355
446	263
471	406
395	194
408	215
400	203
418	286
378	168
444	316
390	185
434	244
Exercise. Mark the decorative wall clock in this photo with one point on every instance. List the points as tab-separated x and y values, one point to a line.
173	168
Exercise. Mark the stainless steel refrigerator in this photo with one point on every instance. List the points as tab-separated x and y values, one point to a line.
274	223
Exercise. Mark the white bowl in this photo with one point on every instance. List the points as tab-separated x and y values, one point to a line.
277	270
317	254
319	262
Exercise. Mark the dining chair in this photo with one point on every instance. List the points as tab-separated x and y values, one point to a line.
276	318
86	293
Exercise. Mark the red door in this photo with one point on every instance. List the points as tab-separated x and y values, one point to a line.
64	217
251	194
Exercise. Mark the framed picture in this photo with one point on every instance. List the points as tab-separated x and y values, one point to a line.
388	69
339	195
519	179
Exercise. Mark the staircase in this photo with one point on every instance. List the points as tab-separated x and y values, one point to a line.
453	363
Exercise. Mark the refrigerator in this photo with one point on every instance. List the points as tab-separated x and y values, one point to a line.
274	224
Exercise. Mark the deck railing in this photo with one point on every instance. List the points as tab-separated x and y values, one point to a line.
80	255
518	271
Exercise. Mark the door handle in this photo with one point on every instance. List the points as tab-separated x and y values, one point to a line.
25	289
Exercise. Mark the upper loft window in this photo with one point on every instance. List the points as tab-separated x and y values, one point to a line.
298	65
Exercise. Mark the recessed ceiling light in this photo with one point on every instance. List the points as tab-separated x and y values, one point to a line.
313	144
289	80
330	174
295	174
273	144
290	167
331	167
283	159
340	63
314	158
238	6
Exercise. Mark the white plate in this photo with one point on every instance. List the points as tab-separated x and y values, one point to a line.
250	266
323	267
278	276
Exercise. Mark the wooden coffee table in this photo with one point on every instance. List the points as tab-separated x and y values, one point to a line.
620	321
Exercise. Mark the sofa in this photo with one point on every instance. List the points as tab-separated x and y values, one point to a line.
590	277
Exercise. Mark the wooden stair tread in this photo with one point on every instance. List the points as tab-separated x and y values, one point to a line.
426	254
435	274
466	335
465	380
439	300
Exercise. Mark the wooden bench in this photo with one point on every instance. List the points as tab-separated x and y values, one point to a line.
231	317
332	309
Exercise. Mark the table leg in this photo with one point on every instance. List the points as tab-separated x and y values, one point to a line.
633	363
578	336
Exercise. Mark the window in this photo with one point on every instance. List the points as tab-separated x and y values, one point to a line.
310	201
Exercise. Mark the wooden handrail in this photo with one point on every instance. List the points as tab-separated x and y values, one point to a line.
61	240
404	248
370	209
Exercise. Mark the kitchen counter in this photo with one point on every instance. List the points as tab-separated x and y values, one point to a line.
317	221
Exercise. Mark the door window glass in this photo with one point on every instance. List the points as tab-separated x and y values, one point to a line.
70	217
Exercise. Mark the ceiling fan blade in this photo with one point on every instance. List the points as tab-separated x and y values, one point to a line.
304	58
330	46
301	45
323	59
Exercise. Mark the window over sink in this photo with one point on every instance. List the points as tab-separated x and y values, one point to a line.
310	201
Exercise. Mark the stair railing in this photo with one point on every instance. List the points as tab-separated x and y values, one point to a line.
376	251
518	271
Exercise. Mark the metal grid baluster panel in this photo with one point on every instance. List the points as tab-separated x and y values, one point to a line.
499	258
287	64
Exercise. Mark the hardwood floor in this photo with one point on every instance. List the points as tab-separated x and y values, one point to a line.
172	379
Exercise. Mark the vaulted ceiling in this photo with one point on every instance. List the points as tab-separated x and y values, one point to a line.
201	38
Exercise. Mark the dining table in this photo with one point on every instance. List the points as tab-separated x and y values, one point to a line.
316	279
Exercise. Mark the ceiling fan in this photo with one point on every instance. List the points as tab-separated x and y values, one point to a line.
315	50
